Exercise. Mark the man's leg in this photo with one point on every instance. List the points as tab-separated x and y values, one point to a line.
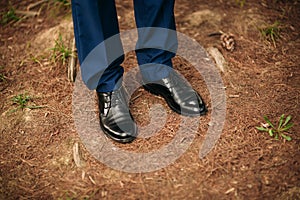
155	63
94	22
100	56
156	46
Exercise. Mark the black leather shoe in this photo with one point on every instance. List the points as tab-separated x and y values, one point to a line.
115	118
178	94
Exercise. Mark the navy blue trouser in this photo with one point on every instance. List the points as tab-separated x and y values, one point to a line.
96	20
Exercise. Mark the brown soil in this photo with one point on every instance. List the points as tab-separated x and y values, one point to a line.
36	148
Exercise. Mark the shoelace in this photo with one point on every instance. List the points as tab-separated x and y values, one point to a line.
118	97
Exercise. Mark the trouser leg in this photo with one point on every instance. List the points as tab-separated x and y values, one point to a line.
94	22
157	46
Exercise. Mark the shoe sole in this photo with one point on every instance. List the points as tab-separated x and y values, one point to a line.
119	140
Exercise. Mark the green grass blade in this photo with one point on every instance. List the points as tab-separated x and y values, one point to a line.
287	120
271	133
262	129
287	127
269	122
281	121
286	137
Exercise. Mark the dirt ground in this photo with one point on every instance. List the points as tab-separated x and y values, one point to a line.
36	148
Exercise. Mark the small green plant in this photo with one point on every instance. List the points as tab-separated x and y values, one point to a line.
279	131
240	2
9	16
22	100
271	32
60	51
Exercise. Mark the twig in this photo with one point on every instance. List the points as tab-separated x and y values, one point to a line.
32	5
229	191
218	57
76	155
92	180
136	97
36	107
72	65
27	162
52	134
28	13
234	96
143	185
